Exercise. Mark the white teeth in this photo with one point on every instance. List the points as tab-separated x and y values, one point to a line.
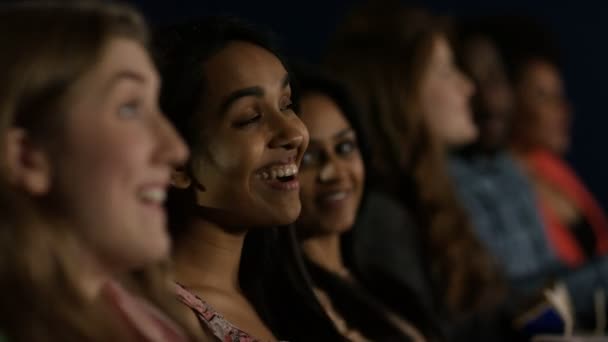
279	171
291	170
338	196
153	195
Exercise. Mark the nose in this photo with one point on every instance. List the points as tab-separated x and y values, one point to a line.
332	170
328	172
172	149
289	133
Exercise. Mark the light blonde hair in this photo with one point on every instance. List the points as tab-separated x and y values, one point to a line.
46	48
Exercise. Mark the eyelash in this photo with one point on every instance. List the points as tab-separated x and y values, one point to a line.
247	122
287	107
312	157
257	117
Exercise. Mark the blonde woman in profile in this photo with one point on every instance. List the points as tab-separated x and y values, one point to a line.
86	158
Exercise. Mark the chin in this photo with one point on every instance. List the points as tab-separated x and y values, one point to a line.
337	225
156	249
288	215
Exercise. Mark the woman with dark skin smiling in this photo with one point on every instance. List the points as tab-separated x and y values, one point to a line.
332	185
235	271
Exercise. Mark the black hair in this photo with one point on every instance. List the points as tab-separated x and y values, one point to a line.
363	305
311	79
180	52
272	273
519	38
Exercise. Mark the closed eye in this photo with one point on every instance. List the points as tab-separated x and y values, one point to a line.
249	121
286	104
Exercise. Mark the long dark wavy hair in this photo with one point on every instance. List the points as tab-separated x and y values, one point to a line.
381	51
272	272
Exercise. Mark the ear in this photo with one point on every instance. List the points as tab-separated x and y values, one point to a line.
28	165
180	179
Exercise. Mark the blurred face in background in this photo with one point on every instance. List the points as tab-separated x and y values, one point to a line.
332	172
493	100
543	112
444	97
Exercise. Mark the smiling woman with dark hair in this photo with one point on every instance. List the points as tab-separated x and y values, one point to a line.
229	94
333	175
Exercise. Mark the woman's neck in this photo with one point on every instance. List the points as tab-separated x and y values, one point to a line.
326	252
209	257
90	274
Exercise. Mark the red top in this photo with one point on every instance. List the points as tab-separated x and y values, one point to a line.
559	175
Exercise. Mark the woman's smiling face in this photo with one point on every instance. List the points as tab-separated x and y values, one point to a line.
251	140
332	171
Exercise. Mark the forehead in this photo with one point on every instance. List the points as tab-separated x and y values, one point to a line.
119	56
242	65
322	116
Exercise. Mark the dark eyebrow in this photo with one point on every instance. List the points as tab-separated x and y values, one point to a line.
255	91
238	94
338	135
344	133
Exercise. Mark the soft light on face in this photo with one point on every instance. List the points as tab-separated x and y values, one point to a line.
444	97
252	142
113	164
543	106
332	172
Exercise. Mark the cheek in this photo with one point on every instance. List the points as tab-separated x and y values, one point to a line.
358	170
436	103
358	176
542	121
235	157
225	169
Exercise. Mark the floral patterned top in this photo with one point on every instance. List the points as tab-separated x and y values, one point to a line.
219	326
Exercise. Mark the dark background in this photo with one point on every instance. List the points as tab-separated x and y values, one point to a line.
580	29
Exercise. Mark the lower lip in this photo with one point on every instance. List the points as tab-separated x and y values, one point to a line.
155	206
292	185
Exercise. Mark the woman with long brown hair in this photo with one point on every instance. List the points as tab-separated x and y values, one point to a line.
86	161
414	103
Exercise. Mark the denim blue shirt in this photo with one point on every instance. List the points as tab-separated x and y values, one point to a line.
503	210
